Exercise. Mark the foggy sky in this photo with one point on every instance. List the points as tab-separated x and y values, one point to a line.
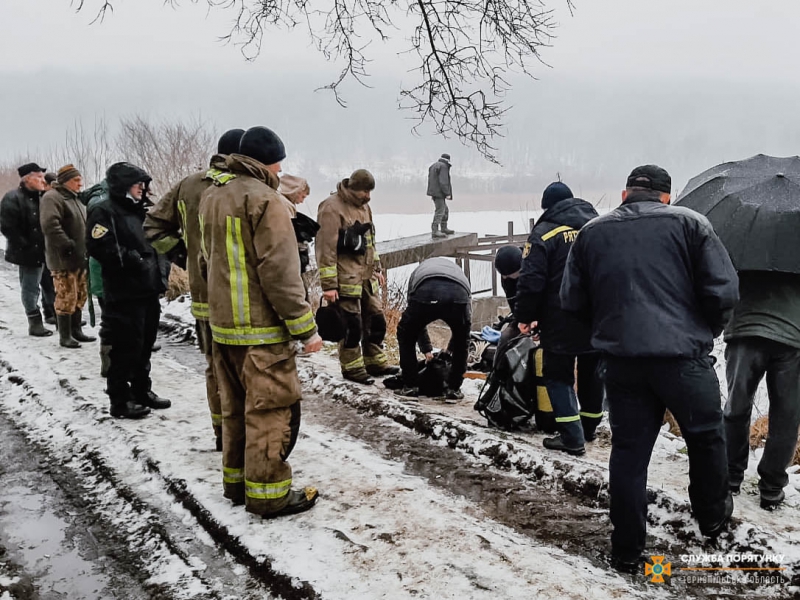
685	84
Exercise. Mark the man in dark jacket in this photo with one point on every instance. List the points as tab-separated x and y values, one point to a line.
63	219
763	337
131	285
437	289
440	190
564	338
19	223
657	286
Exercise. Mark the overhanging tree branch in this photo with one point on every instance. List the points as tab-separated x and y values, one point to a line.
464	50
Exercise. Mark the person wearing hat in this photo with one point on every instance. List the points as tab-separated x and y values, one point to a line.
132	284
350	274
257	310
173	223
20	224
63	220
657	286
50	179
564	339
440	190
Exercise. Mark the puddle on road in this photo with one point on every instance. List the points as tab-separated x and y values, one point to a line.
43	535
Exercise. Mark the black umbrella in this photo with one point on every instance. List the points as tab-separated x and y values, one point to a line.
754	206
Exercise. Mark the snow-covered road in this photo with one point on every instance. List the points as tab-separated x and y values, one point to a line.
416	501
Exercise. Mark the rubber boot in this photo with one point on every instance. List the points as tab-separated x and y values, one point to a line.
445	230
65	332
299	501
436	233
77	331
49	314
35	326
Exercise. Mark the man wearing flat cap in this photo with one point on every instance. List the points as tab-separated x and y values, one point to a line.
350	274
657	286
440	190
19	223
63	219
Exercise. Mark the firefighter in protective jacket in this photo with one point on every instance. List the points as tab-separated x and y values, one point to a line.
257	307
174	219
350	274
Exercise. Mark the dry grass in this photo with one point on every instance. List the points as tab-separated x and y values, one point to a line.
178	283
673	424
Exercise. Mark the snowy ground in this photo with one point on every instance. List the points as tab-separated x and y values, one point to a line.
418	500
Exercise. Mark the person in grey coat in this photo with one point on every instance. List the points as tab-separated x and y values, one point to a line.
437	289
440	190
763	338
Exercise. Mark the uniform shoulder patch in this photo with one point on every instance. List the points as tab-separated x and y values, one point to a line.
99	231
526	250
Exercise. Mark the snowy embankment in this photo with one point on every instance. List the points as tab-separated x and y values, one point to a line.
381	529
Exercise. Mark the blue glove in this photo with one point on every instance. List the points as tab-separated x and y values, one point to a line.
490	335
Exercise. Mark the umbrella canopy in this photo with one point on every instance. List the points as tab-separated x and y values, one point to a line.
754	206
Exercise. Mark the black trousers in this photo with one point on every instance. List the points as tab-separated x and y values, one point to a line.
639	390
747	361
415	319
132	330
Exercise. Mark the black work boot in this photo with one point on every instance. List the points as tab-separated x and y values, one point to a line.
436	233
453	395
49	314
77	331
381	370
359	376
35	326
299	501
65	332
557	443
153	400
445	230
408	392
126	408
771	503
713	530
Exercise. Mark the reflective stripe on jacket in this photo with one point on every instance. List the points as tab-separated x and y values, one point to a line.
249	260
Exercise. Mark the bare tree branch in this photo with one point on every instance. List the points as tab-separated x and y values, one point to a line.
464	50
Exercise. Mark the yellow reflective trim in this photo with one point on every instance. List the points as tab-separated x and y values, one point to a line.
354	364
240	292
591	415
165	244
216	420
326	272
555	232
377	360
249	336
373	286
200	310
353	291
567	419
243	268
302	325
231	475
219	177
542	397
182	211
266	491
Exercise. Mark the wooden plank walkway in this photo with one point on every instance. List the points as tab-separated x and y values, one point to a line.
416	248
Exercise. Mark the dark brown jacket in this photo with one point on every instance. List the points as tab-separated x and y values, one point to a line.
63	220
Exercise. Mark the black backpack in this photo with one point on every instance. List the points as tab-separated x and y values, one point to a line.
433	376
508	398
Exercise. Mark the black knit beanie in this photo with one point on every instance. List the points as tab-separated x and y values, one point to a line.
555	193
263	145
229	142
